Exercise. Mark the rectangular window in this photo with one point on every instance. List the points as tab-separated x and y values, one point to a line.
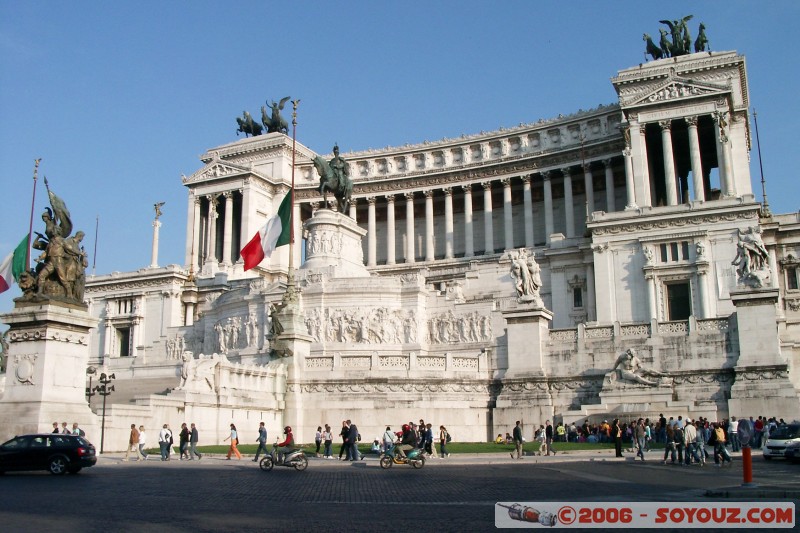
664	258
679	301
674	249
685	250
791	278
577	297
124	341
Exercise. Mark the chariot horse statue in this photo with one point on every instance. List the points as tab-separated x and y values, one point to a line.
335	179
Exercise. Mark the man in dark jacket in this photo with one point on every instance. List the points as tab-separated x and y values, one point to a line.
549	438
352	440
194	438
518	440
407	441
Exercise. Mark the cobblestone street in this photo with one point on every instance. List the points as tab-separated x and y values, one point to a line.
455	494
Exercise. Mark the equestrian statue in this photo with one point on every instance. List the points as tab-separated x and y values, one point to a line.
334	176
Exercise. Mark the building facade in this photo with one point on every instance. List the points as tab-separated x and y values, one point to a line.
634	211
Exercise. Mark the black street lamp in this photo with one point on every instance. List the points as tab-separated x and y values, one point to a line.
90	371
104	390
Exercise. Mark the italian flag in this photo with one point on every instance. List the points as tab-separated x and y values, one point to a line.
13	265
276	232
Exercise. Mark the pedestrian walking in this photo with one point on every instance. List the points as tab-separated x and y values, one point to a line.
262	441
444	438
234	438
194	438
616	432
353	436
517	436
164	442
327	437
318	440
183	441
142	443
548	433
133	442
345	449
640	435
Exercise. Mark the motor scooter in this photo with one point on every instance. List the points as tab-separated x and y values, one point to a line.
414	457
294	458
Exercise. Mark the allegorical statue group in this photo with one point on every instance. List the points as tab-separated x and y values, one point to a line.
60	270
681	40
271	122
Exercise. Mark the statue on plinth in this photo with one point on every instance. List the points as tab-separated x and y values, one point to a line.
752	259
630	368
247	125
60	272
334	176
526	273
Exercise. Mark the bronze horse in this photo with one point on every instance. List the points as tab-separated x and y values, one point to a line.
342	189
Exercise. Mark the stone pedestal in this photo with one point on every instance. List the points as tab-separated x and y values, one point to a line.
46	372
762	384
527	333
299	346
333	245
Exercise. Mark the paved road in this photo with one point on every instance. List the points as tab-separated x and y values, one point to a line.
454	494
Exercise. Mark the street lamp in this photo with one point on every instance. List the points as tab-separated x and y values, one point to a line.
90	371
104	390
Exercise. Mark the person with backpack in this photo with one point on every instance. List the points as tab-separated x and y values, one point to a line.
164	442
444	439
719	447
388	439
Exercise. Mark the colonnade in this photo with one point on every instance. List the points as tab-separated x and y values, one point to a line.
504	238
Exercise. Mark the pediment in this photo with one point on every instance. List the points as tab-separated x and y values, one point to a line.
217	169
675	89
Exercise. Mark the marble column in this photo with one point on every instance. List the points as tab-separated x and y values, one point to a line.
228	229
508	215
723	155
651	295
410	251
548	206
610	201
697	163
154	251
569	206
630	191
702	294
669	162
469	247
371	237
591	304
211	256
528	205
640	165
196	235
353	209
390	257
488	226
588	183
448	223
430	254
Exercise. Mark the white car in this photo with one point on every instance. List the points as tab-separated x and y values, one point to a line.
780	438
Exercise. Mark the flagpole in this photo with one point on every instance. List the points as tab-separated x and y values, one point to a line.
33	202
96	228
295	103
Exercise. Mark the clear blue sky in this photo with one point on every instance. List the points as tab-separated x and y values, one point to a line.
120	98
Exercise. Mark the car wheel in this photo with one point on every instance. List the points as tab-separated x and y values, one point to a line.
266	464
386	462
301	463
74	469
57	465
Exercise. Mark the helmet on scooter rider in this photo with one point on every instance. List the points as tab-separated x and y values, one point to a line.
405	427
287	429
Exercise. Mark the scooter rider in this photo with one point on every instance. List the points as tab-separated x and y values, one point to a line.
287	445
407	441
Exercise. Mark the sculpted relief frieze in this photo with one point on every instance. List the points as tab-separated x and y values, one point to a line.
363	326
672	223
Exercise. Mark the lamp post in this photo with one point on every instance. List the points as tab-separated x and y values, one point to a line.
104	390
90	371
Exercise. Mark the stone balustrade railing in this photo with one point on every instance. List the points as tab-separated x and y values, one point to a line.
617	330
467	151
446	362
